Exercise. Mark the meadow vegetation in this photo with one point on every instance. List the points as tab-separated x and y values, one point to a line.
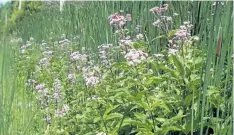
116	68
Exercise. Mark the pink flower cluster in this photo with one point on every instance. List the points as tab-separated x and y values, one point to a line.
62	112
104	51
89	75
183	32
162	21
64	43
118	21
57	90
44	62
76	56
40	86
91	81
159	10
135	57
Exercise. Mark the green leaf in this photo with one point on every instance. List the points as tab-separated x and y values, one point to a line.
170	128
179	65
113	116
178	116
140	116
110	109
188	99
143	105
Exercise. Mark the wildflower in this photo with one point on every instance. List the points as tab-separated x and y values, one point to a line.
135	57
43	92
159	10
138	28
126	44
118	21
104	53
44	62
95	97
157	23
76	56
57	85
71	77
139	37
129	17
64	42
63	36
91	81
62	112
169	19
48	118
175	14
121	11
158	55
172	51
47	53
31	39
40	86
182	34
57	88
30	82
195	38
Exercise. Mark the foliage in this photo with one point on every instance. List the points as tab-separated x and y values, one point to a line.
127	87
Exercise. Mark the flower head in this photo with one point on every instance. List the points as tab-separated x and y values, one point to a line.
135	57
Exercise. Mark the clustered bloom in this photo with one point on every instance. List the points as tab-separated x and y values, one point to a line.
172	51
158	55
30	82
91	81
104	51
139	37
57	88
62	112
64	42
40	86
159	10
184	32
24	47
135	57
47	53
76	56
118	21
71	77
93	98
90	78
126	43
44	62
164	20
43	92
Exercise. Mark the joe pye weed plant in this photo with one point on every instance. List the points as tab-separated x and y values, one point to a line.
124	87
